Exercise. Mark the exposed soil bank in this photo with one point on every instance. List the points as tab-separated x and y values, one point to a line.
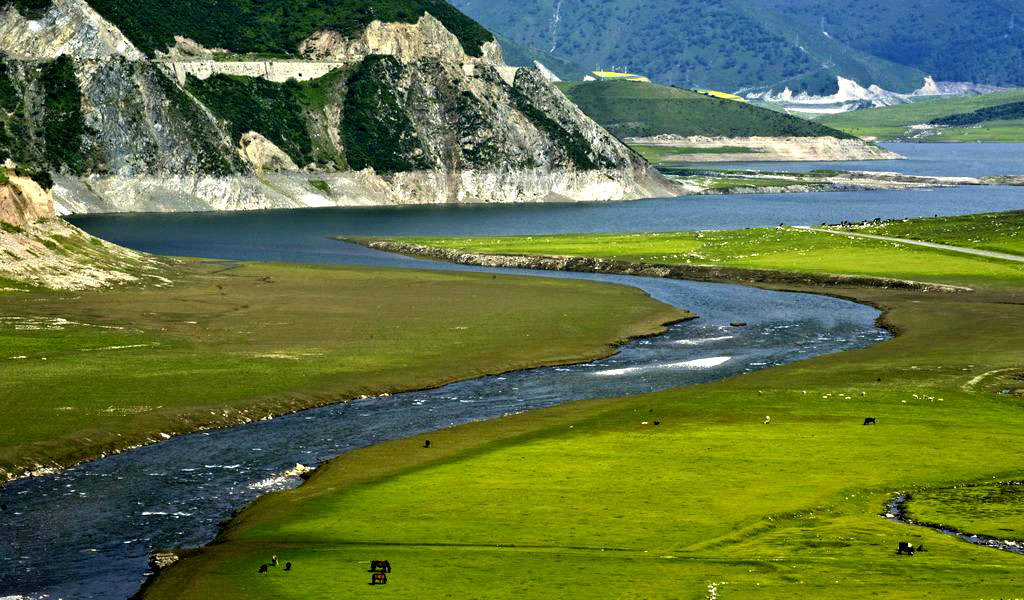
770	148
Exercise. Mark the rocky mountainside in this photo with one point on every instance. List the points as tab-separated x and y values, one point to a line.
39	250
406	101
774	45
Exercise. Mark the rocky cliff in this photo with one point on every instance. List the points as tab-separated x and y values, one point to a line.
394	113
39	250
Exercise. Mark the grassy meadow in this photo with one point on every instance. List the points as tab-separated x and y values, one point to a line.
591	499
785	249
892	122
998	232
87	372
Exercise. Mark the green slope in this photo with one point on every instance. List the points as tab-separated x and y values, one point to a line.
891	122
630	109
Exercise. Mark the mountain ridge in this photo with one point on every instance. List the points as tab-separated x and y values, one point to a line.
178	131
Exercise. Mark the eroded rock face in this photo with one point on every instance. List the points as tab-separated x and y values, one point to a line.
69	27
23	202
427	38
263	155
476	130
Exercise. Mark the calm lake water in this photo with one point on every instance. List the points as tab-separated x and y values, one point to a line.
960	160
303	235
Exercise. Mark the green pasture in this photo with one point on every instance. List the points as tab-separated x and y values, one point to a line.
784	249
994	510
998	232
84	373
591	499
891	122
1004	131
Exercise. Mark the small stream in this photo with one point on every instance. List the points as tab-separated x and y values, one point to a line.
87	532
894	512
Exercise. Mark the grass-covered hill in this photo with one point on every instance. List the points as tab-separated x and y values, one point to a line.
1003	112
629	109
265	26
802	44
893	122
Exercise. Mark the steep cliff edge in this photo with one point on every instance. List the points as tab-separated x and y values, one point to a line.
39	250
399	112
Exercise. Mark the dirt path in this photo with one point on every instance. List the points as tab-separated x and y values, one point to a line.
960	249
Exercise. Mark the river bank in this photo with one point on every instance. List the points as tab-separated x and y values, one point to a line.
213	351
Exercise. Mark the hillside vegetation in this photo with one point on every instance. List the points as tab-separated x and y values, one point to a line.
1003	112
630	109
265	26
724	44
891	122
773	44
953	40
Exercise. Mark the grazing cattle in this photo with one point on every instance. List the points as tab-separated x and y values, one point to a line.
921	548
287	566
380	578
263	568
385	566
426	444
657	422
906	547
767	420
273	560
870	421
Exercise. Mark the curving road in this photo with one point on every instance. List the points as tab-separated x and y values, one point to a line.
960	249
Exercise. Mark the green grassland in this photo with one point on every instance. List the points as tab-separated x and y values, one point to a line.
88	372
631	109
891	122
784	249
994	510
590	499
998	232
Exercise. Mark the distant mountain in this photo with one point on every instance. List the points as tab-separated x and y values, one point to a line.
769	45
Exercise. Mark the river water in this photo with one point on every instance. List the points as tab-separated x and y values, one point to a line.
86	533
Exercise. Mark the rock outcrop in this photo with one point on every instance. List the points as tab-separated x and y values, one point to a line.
23	202
38	250
400	114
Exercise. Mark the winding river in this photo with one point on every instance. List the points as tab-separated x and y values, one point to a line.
86	533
